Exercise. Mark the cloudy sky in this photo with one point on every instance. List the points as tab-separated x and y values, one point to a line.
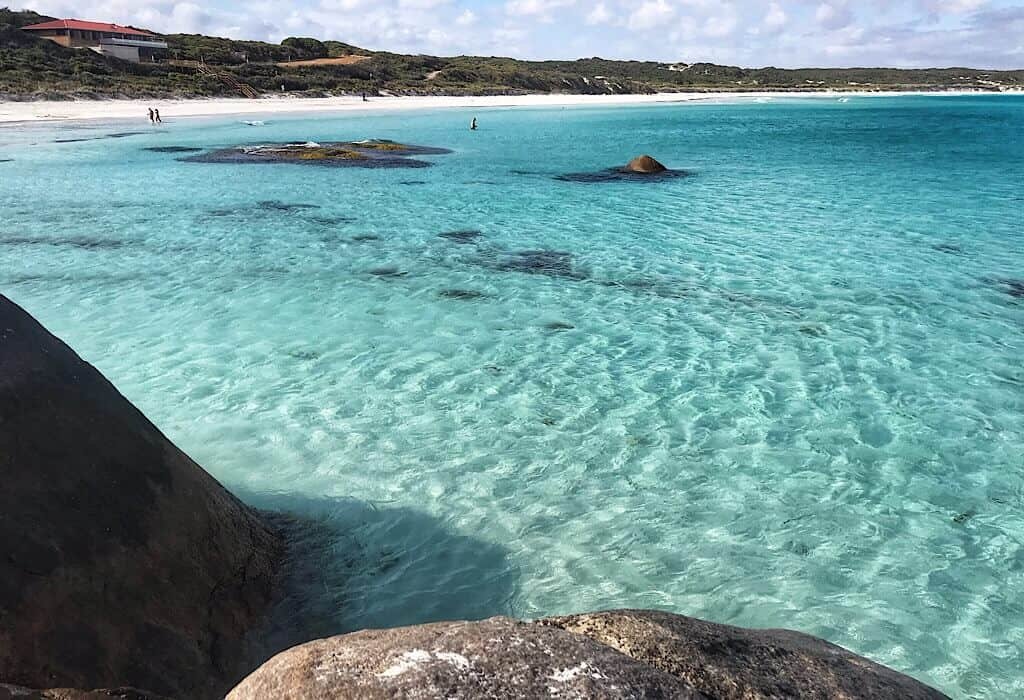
786	33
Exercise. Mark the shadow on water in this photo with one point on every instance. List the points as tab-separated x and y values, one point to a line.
352	565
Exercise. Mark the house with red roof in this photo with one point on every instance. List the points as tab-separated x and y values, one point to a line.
126	43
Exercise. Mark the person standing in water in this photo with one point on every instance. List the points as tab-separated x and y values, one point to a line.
156	113
472	125
152	120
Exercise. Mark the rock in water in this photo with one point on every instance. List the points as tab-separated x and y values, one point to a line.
623	654
124	563
644	165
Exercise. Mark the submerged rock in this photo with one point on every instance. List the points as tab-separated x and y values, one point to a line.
621	175
552	263
387	271
124	562
641	169
172	149
645	165
622	654
1015	288
84	242
372	153
462	237
461	294
275	205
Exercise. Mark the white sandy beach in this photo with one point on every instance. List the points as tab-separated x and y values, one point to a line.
170	109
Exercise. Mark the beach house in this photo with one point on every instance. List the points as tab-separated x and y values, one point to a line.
126	43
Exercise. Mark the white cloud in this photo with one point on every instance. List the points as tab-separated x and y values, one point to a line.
599	15
775	19
833	15
536	8
650	14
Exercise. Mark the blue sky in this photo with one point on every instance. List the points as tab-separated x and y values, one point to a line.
785	33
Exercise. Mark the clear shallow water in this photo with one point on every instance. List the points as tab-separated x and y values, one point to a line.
792	393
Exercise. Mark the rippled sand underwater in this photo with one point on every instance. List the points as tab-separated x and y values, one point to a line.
786	390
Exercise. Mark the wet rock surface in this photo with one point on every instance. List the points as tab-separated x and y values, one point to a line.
124	562
619	654
373	153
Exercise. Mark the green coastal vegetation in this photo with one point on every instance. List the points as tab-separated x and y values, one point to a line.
204	66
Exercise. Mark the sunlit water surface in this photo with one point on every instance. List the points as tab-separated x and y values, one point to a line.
785	391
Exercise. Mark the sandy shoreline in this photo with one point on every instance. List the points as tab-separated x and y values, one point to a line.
13	112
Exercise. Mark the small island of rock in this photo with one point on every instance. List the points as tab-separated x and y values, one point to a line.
371	153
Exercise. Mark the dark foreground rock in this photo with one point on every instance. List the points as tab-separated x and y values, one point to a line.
623	654
372	153
10	692
124	563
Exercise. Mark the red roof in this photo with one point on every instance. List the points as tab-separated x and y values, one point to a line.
88	27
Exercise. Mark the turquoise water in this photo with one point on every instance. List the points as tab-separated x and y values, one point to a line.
784	391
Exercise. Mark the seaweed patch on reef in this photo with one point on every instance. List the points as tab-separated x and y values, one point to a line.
373	153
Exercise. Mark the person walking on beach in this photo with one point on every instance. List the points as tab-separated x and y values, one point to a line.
472	125
152	120
156	113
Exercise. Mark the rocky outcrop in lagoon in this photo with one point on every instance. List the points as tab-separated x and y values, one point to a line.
124	563
620	654
371	153
643	168
645	165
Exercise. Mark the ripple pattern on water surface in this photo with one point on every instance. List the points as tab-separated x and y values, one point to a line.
787	392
